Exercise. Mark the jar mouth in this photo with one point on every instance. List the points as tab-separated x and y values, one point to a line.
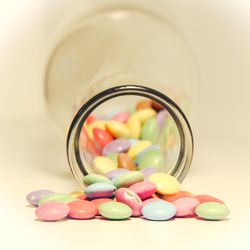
182	165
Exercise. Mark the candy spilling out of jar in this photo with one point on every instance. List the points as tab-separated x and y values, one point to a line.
129	153
127	195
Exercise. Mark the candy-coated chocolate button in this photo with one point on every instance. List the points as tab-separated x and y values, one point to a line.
81	209
37	195
98	202
103	165
207	198
78	195
153	158
165	183
127	179
56	197
101	137
177	196
144	104
113	173
134	126
144	189
145	151
150	130
117	129
115	210
100	190
185	206
94	178
212	211
144	114
95	124
138	148
116	146
124	161
52	211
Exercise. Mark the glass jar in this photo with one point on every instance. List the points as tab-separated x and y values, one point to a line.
110	59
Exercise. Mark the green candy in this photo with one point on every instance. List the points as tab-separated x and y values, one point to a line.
113	157
152	159
94	178
150	130
212	211
56	197
115	210
128	179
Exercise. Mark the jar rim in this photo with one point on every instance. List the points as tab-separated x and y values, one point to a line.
183	163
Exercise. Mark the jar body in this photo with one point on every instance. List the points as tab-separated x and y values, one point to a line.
119	46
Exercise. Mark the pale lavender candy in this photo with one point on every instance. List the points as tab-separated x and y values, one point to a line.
116	146
146	150
148	171
113	173
35	196
161	118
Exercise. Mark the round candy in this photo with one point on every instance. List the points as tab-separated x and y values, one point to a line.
134	126
150	130
95	124
145	202
37	195
145	151
159	210
117	129
90	119
52	211
103	165
207	198
115	210
144	189
121	117
102	137
165	183
100	190
177	196
82	209
212	211
56	197
148	171
153	158
144	104
94	178
116	146
113	173
98	202
131	199
127	179
144	114
185	206
124	161
138	148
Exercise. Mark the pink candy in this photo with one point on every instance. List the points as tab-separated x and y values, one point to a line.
121	117
185	206
144	189
131	199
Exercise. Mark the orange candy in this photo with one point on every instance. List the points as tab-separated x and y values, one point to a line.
124	161
177	196
102	137
143	104
81	209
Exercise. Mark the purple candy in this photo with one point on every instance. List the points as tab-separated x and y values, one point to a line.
113	173
148	171
116	146
35	196
161	118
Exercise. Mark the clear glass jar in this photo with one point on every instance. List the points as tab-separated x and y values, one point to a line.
112	55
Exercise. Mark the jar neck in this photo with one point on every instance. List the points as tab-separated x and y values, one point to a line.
80	168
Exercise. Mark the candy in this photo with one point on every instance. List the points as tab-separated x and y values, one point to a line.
138	148
100	190
95	124
131	199
185	206
90	119
37	195
98	202
127	179
56	197
156	106
144	104
78	195
103	165
145	202
153	158
177	196
113	157
134	126
124	161
207	198
165	183
161	118
116	146
146	150
212	211
113	173
101	137
121	117
159	210
117	129
147	172
144	114
82	209
115	210
150	130
52	211
94	178
143	189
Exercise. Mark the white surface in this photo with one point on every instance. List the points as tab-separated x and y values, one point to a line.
32	154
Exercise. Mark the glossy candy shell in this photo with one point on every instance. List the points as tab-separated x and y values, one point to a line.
81	209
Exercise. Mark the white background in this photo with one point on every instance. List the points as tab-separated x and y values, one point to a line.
32	153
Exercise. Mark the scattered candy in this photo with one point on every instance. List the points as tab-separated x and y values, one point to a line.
128	179
185	206
102	137
56	197
124	161
37	195
117	129
207	198
138	148
100	190
98	202
177	196
113	173
94	178
153	158
82	210
103	165
116	146
144	189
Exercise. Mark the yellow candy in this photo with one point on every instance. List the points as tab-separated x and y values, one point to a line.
134	126
138	148
144	114
165	184
117	129
103	165
76	194
95	124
